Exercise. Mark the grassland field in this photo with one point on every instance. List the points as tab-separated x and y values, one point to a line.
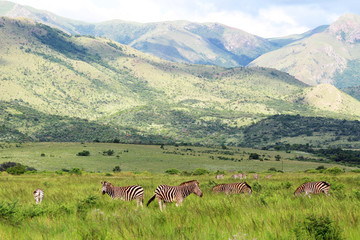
74	208
151	158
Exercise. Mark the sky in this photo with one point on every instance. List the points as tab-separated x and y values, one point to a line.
265	18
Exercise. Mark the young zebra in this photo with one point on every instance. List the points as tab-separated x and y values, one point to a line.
124	193
233	188
313	187
165	193
38	195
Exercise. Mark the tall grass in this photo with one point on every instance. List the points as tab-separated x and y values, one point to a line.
73	208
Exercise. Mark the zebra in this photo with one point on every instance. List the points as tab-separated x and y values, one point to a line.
38	195
234	188
220	176
256	176
165	193
124	193
313	187
238	175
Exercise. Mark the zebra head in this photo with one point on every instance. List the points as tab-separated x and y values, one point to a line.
106	186
194	186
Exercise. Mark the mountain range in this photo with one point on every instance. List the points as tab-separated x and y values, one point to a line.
56	83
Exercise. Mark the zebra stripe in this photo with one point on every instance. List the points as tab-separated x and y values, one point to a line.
127	193
233	188
313	187
165	193
38	195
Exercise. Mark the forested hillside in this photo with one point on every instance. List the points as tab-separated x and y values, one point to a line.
120	91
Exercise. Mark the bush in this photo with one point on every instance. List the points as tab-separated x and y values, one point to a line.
109	152
322	228
254	156
75	171
117	169
172	171
334	170
83	153
200	171
16	170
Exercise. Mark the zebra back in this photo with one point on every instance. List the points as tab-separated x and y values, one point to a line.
234	188
176	193
313	187
127	193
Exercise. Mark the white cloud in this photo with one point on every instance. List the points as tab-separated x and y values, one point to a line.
270	20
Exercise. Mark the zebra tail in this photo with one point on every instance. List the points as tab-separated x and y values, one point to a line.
151	199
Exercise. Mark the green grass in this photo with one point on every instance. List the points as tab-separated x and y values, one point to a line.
73	208
149	158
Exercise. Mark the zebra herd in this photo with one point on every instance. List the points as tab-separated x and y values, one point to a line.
167	194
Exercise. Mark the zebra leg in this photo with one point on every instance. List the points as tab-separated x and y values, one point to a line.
160	204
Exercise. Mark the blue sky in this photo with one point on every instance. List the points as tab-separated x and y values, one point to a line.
265	18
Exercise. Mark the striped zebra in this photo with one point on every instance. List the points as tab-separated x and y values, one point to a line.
238	175
38	195
165	193
124	193
313	187
233	188
219	176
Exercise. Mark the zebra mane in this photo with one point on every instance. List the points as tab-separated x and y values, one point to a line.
188	182
247	185
326	183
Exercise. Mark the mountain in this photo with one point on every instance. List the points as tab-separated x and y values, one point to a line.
178	41
329	56
56	86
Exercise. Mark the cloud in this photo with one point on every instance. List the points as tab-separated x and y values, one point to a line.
264	18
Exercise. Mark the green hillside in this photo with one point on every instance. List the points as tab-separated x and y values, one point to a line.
330	56
73	83
179	41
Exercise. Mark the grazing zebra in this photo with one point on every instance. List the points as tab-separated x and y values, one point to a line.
269	176
234	188
238	175
125	193
256	176
220	176
38	195
313	187
165	193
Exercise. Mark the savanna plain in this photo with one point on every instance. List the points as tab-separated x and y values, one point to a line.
74	208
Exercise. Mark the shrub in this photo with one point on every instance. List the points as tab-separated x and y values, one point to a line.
16	170
83	153
322	228
42	155
200	171
254	156
172	171
75	171
117	169
109	152
7	165
272	169
334	170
